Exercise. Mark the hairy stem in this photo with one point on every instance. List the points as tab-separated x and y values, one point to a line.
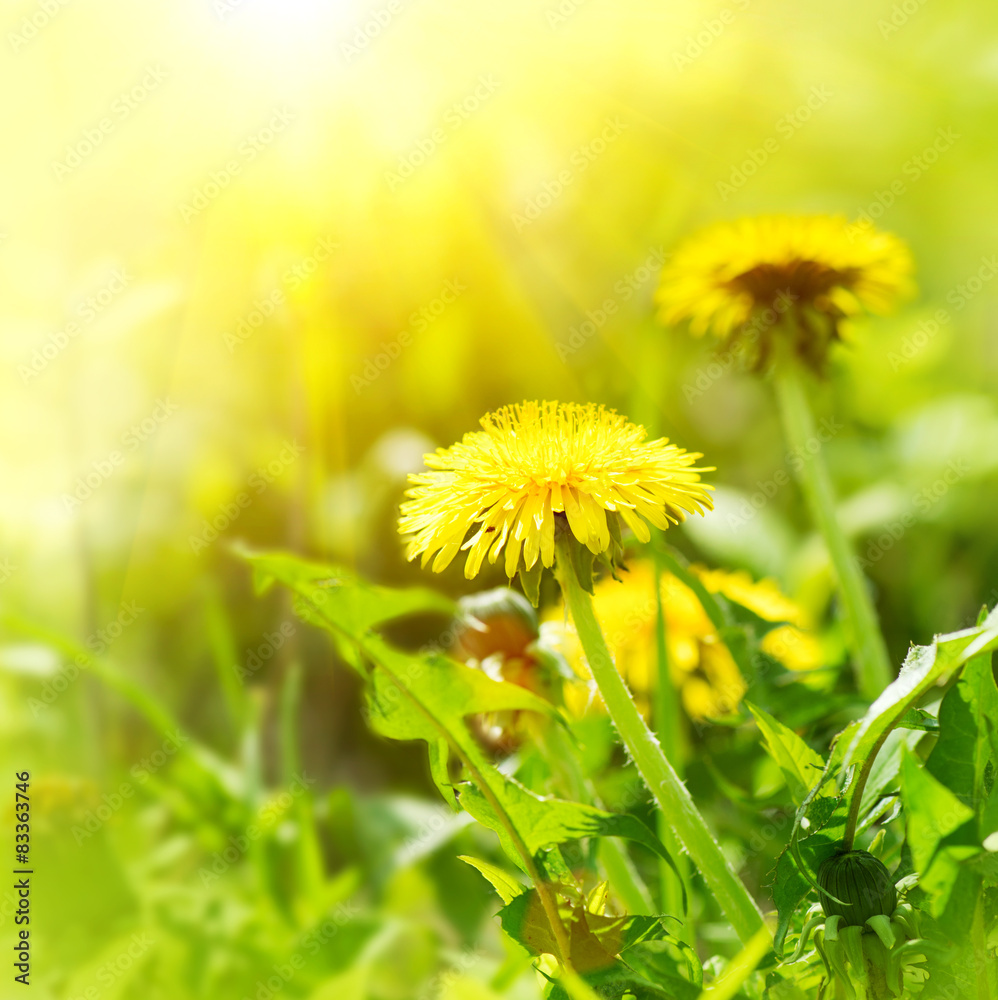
675	801
667	721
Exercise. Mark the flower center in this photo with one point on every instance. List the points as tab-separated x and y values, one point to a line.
803	281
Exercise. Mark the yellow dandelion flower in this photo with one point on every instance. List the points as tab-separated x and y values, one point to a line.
763	597
795	648
701	667
535	464
742	277
791	644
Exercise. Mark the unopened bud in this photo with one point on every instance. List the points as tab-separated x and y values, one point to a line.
861	882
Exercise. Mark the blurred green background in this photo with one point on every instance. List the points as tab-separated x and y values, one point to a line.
258	256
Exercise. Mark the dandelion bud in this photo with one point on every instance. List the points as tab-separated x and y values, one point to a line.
861	882
503	623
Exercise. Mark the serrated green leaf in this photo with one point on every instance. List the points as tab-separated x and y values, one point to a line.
924	667
826	817
507	886
547	822
790	889
596	940
341	597
801	766
429	697
425	697
410	696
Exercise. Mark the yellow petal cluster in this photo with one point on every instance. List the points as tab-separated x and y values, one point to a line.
500	490
728	273
701	667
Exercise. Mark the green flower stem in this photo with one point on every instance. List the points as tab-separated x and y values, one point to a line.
872	663
667	720
862	776
670	792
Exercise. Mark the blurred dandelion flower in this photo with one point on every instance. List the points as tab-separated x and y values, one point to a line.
792	644
709	682
538	462
753	275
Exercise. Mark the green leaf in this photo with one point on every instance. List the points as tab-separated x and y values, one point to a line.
826	820
932	811
596	940
338	596
410	696
507	886
438	751
966	741
801	766
597	898
548	822
530	580
428	697
884	772
924	667
627	982
790	889
582	562
917	718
